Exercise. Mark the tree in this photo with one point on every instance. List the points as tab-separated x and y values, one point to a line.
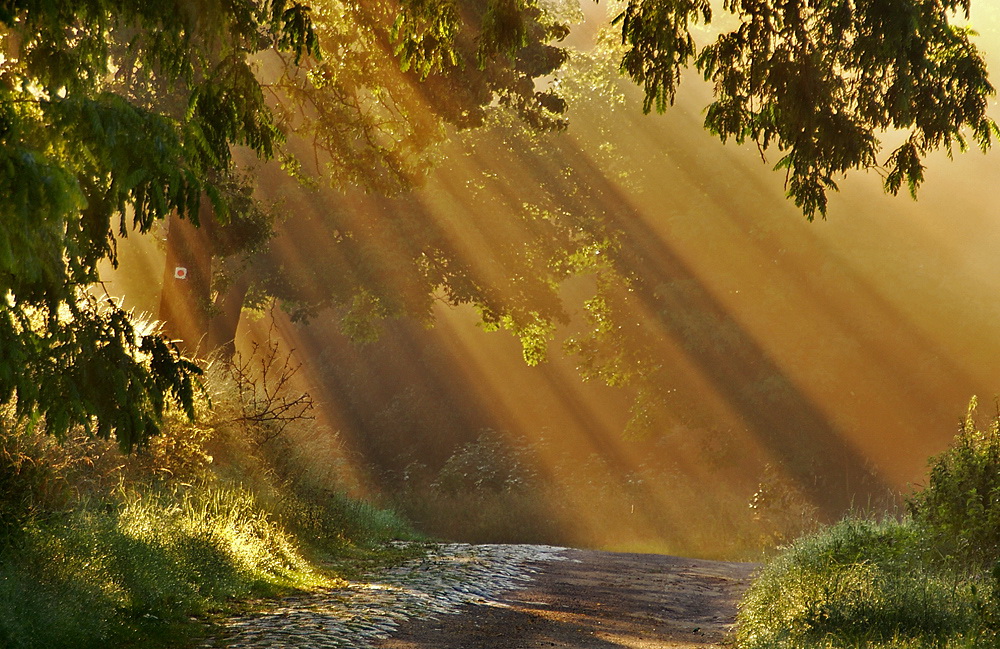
114	111
366	124
820	80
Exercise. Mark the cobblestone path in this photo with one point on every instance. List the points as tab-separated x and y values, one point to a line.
362	613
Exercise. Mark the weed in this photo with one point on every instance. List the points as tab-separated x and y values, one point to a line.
960	507
98	549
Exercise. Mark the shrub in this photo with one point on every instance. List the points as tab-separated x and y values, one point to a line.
491	462
858	583
960	507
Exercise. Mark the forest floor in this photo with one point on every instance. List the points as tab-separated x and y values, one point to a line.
596	600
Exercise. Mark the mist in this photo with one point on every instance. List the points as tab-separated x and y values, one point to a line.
796	369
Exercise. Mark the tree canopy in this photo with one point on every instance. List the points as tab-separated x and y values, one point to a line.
362	124
115	114
821	80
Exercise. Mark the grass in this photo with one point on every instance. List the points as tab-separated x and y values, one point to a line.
153	568
928	581
98	550
862	583
138	571
333	520
101	550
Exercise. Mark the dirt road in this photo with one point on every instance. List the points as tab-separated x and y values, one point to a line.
596	600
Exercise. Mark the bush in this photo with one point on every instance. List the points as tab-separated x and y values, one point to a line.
932	580
960	508
491	462
860	583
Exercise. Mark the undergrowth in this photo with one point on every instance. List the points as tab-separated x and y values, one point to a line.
928	580
116	572
98	549
505	495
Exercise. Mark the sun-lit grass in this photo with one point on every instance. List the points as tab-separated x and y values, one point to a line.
103	550
862	583
146	568
930	580
114	573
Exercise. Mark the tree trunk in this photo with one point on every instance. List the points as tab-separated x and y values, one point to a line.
226	316
185	300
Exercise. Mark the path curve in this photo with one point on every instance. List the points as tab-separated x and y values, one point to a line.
597	600
462	596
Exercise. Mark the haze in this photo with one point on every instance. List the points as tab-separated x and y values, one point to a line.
820	363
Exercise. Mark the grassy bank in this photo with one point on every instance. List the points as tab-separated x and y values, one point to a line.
930	579
98	549
113	573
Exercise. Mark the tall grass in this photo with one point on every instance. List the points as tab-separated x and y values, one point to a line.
98	549
930	580
862	583
331	520
133	571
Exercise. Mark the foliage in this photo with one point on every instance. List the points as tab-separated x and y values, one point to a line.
861	583
99	548
819	81
374	131
960	506
372	119
113	111
505	494
488	463
178	453
135	111
84	363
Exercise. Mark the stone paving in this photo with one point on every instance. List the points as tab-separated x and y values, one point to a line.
437	583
